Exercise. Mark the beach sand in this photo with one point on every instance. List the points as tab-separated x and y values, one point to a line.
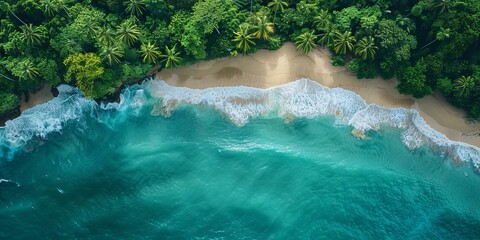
266	69
39	97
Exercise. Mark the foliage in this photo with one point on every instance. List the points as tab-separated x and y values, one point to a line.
24	70
445	86
395	41
362	68
8	103
365	48
111	53
135	7
33	35
84	70
463	86
306	42
264	28
76	37
413	81
343	42
193	41
150	52
338	60
208	14
171	58
128	32
134	71
346	18
48	71
322	19
274	43
244	39
328	34
276	5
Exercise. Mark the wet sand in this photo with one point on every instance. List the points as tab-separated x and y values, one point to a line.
266	69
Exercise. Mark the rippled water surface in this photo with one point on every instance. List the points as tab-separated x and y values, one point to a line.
196	175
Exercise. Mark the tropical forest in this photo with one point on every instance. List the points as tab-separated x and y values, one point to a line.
99	45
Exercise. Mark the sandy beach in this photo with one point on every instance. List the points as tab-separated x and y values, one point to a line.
266	69
41	96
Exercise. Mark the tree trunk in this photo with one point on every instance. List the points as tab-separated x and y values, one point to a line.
274	17
17	17
428	44
7	78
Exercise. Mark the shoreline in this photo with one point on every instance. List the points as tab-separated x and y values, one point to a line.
266	69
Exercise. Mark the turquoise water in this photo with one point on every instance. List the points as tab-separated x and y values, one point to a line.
195	175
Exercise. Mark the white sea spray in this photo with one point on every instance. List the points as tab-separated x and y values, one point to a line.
69	106
302	98
306	98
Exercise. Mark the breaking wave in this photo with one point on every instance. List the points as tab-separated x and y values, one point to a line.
306	98
303	98
70	106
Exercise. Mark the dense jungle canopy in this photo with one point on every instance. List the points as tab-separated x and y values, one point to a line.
97	45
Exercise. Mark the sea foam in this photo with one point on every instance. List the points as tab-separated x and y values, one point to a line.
308	99
43	119
302	98
69	106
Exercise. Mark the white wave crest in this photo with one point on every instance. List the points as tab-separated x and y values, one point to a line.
70	106
302	98
306	98
45	118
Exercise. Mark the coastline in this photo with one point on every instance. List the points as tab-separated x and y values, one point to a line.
266	69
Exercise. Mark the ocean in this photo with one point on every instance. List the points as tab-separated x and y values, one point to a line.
299	161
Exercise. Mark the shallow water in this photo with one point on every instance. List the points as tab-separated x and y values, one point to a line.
195	175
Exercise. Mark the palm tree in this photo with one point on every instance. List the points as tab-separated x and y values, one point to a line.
135	7
128	33
323	19
463	86
28	70
343	42
50	7
105	35
306	41
171	59
264	28
327	35
442	5
31	35
365	48
277	5
112	53
243	39
150	52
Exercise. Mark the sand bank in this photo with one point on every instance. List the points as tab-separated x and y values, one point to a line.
266	69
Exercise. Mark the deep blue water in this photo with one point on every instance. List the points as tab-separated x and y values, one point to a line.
196	175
